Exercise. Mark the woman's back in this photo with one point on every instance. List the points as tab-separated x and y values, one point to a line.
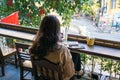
62	56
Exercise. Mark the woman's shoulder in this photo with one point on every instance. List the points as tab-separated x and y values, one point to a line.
63	50
63	47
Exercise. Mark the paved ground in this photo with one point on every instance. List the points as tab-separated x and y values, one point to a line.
85	26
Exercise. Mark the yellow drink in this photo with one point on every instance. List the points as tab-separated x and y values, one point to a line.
90	41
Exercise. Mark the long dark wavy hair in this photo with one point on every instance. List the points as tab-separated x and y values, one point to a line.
47	36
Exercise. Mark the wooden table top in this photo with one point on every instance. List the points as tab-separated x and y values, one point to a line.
16	34
96	50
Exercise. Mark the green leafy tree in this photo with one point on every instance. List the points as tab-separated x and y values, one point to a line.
31	11
89	6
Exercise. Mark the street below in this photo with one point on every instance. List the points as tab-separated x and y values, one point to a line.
86	26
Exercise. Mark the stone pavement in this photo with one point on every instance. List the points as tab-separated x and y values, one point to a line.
85	26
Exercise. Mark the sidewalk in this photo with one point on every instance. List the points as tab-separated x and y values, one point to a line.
85	26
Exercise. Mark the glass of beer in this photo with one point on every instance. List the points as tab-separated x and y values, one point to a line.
90	41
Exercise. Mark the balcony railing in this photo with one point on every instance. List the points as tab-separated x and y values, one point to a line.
95	63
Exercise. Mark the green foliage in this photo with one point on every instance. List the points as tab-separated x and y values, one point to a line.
29	12
89	6
10	42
